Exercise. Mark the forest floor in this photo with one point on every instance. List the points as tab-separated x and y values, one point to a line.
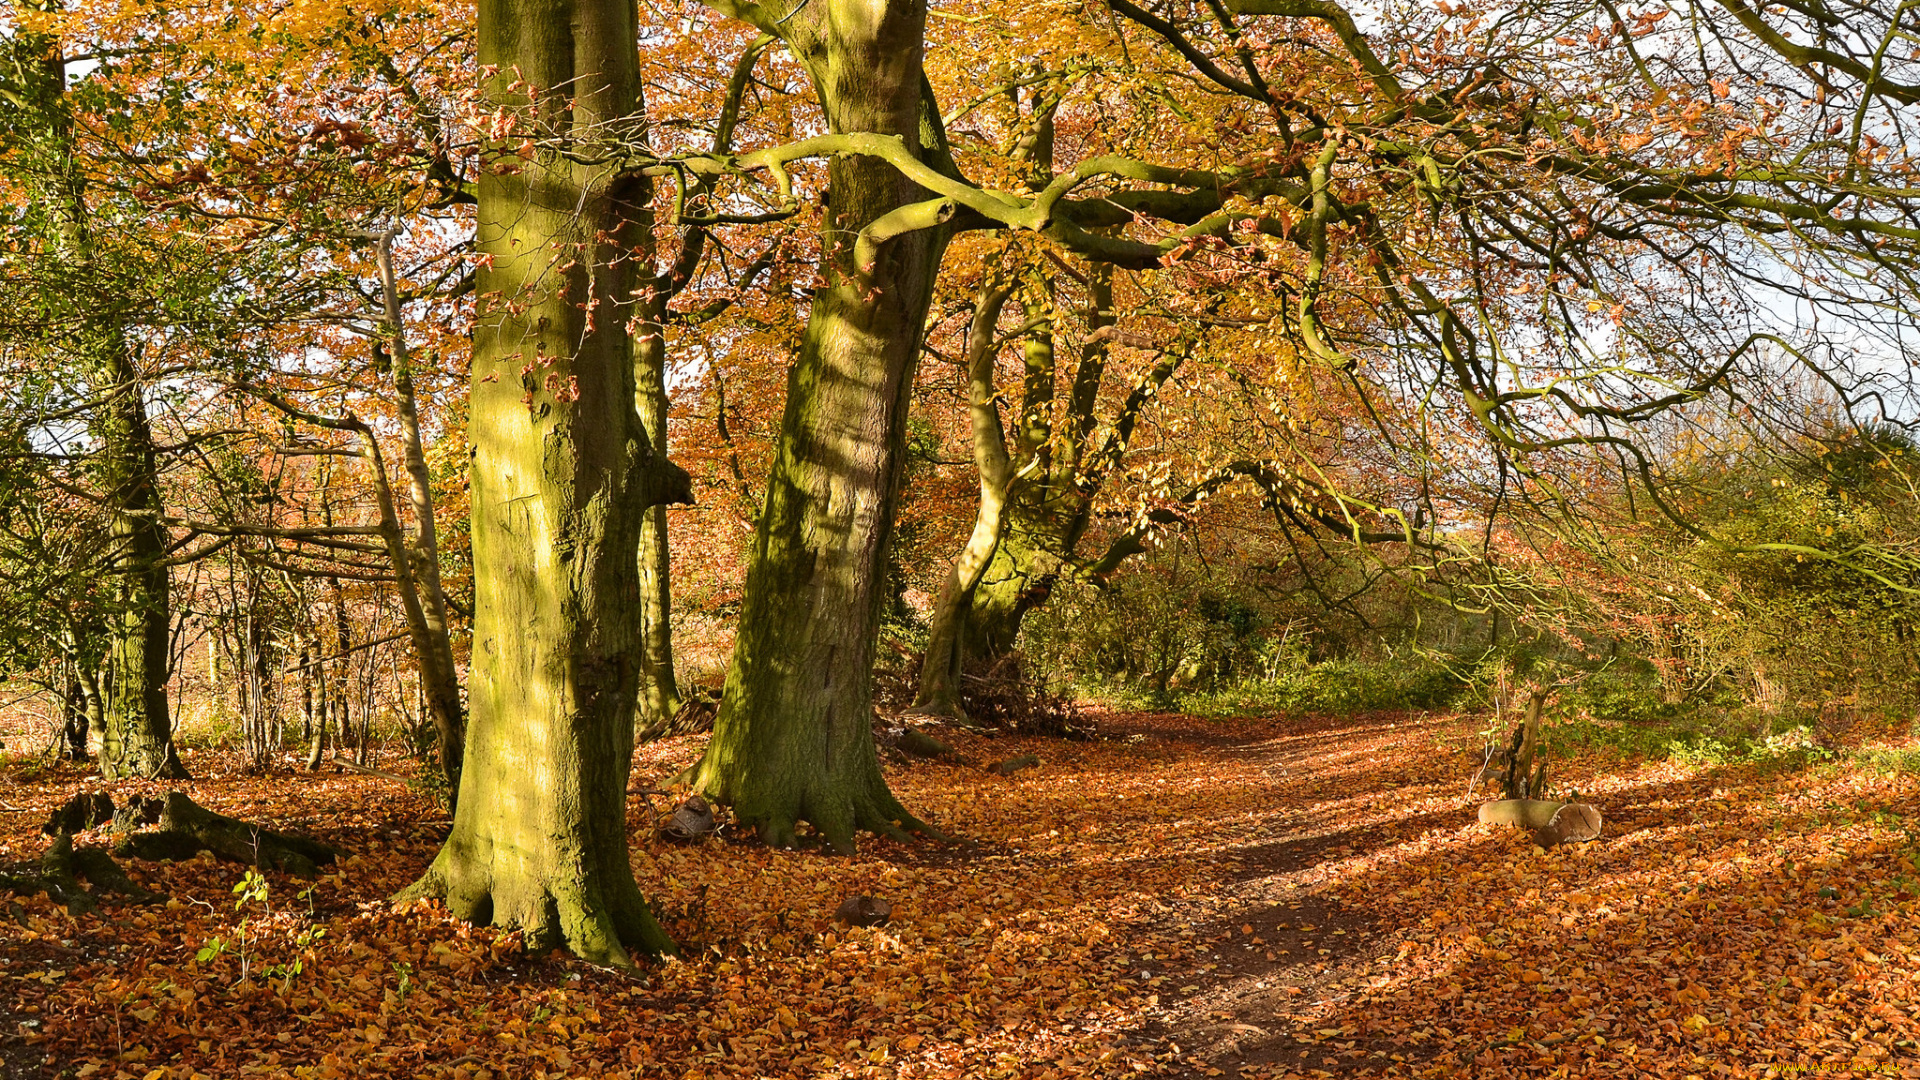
1181	897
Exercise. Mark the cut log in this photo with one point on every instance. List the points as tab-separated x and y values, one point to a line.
1524	813
1572	822
184	828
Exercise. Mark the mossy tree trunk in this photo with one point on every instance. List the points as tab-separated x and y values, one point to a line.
1076	448
659	690
562	474
137	737
794	738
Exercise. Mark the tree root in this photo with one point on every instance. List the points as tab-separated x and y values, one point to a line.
185	828
61	870
608	926
80	813
878	813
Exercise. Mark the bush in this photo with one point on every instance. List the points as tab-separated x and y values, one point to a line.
1154	634
1891	761
1336	686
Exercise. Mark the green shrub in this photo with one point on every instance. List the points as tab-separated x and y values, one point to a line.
1337	687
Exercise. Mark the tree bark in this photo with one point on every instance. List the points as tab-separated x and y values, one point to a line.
417	562
794	738
562	472
659	691
73	717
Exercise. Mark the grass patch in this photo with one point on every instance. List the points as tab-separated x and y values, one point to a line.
1890	760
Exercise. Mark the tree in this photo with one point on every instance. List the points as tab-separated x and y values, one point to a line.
794	738
85	317
562	474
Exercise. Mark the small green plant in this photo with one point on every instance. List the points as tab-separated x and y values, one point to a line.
405	971
290	970
254	903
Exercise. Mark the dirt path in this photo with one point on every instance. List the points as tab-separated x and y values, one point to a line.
1735	920
1287	954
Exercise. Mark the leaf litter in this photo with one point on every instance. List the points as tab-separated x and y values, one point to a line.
1256	898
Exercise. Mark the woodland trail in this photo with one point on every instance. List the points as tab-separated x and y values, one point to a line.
1183	897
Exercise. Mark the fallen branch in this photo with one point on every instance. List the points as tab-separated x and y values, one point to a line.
368	770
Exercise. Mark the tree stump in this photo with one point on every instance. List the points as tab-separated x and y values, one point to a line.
80	813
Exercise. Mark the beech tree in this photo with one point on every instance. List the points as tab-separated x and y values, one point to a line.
794	737
562	474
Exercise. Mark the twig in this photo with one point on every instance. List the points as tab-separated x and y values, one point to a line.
1483	771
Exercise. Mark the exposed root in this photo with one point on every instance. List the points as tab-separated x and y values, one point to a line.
185	828
80	813
838	822
98	868
607	926
61	870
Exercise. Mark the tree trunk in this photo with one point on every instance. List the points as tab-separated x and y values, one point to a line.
417	562
561	475
73	717
659	691
794	738
138	737
1044	523
1018	578
940	667
94	697
317	742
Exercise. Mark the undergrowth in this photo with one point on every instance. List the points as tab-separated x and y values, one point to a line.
1333	687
